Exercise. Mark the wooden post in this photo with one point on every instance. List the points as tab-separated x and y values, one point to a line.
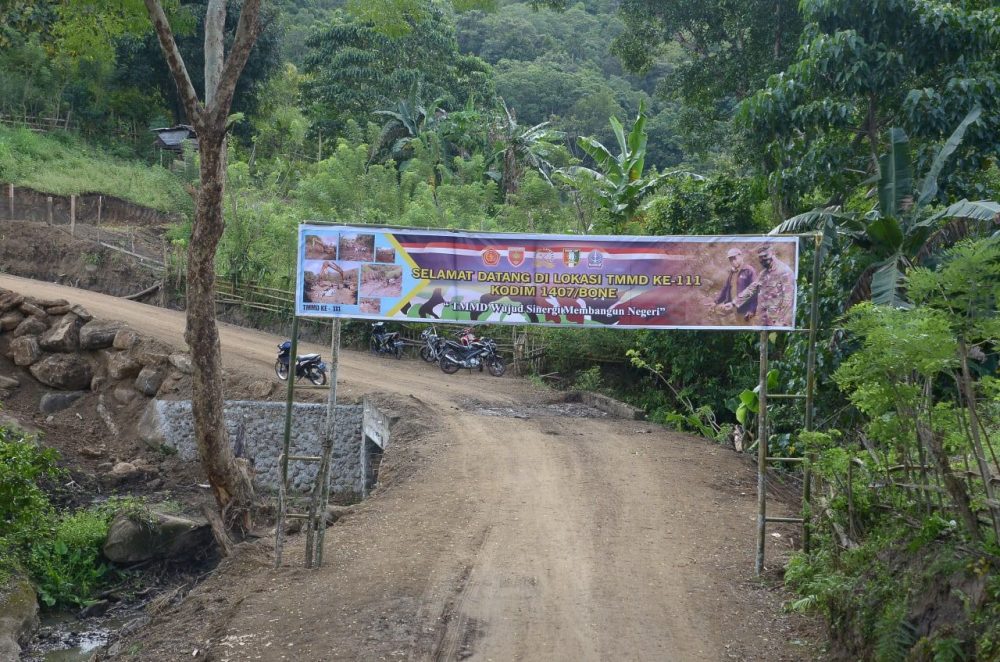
10	196
100	205
72	215
279	533
330	432
166	272
761	454
48	201
811	390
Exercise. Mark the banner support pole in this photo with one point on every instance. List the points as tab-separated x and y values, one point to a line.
279	530
761	455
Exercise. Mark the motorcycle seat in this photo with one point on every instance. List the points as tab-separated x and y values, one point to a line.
308	357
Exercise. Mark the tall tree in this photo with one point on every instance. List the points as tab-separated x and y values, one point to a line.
863	67
729	49
232	488
355	67
515	147
619	182
901	231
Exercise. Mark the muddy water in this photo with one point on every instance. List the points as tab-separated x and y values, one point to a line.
65	638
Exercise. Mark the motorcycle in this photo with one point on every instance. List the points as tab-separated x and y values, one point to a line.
310	366
433	345
478	353
385	342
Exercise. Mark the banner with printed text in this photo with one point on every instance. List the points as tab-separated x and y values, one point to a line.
684	282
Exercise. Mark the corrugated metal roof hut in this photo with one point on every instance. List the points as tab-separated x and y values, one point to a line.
173	137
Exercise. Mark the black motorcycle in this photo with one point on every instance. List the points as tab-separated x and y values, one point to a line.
482	352
433	345
310	366
385	342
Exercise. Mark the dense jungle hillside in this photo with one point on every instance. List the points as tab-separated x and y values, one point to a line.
869	127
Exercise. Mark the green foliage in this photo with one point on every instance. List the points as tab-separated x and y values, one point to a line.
25	511
618	181
900	232
63	165
588	380
918	65
354	68
750	399
515	149
67	567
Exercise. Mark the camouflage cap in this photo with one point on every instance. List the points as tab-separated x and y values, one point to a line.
733	252
765	250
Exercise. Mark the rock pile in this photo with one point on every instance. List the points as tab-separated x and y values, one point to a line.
66	349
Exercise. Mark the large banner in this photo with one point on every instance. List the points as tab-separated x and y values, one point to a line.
736	282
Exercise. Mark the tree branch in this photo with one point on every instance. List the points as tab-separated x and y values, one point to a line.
247	31
174	60
215	27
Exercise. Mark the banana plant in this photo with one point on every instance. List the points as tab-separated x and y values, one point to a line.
410	121
619	183
901	231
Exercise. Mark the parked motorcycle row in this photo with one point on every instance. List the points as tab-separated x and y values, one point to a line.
465	351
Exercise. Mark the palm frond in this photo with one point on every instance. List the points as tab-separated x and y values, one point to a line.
930	185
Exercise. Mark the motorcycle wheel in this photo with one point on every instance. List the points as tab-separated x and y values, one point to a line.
281	370
427	355
373	346
449	366
497	367
317	377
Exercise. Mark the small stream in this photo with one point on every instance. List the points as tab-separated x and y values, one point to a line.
63	637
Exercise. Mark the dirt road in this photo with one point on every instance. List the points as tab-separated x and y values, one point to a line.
493	538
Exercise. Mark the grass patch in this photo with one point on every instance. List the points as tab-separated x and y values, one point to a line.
63	164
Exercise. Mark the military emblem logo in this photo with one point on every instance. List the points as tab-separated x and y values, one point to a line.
515	256
571	257
491	257
544	257
595	259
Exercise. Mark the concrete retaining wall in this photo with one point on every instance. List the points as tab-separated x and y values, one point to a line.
170	423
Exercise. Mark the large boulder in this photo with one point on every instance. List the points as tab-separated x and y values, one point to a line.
32	326
53	402
67	372
126	338
10	320
10	300
122	366
18	616
25	350
32	309
161	537
64	336
48	303
149	380
150	427
96	334
81	312
182	362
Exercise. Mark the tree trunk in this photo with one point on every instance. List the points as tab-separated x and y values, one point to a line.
230	484
233	495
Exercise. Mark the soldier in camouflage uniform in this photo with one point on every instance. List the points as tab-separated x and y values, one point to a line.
775	290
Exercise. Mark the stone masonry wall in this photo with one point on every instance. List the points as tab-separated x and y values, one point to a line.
264	425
